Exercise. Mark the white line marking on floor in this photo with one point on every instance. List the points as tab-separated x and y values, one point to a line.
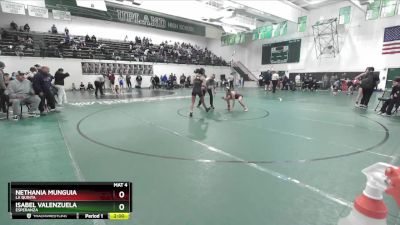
259	168
76	167
310	138
116	101
316	110
276	131
359	149
340	124
380	154
394	159
327	122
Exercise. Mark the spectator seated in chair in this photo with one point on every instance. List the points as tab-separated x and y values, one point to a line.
94	39
90	87
54	29
13	26
27	28
20	91
82	87
393	100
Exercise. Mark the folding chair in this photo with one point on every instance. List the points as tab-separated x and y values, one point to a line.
396	109
21	109
382	99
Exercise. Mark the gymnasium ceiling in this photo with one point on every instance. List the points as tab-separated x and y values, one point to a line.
236	15
313	4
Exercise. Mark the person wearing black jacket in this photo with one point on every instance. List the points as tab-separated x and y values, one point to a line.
128	81
139	81
267	80
27	28
59	83
42	87
2	89
394	99
13	26
368	83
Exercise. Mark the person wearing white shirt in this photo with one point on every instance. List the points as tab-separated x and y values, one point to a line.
297	80
275	79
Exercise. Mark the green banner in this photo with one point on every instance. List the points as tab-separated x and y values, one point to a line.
302	24
233	39
373	10
255	34
129	16
283	28
388	8
266	32
270	31
344	15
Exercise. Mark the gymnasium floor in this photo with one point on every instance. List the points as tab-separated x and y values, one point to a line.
294	159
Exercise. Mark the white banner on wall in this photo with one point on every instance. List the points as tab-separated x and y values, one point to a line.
12	7
93	4
61	15
38	11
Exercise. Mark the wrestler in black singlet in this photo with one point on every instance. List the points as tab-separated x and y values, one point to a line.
197	84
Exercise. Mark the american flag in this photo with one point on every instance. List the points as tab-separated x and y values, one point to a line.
391	40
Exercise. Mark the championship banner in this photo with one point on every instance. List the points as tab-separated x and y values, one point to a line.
12	7
388	8
373	9
92	4
344	15
38	11
233	39
302	24
61	15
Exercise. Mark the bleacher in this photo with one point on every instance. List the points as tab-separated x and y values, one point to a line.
9	47
52	45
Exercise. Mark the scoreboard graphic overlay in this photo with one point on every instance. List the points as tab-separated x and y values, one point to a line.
281	52
70	200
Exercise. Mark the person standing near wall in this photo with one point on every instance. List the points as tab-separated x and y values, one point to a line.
139	81
368	83
59	83
128	81
121	82
267	80
111	77
231	82
99	83
2	88
274	79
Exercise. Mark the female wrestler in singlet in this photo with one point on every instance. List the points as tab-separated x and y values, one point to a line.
233	95
198	91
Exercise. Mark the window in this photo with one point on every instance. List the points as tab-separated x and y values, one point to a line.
388	8
302	24
344	15
373	9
